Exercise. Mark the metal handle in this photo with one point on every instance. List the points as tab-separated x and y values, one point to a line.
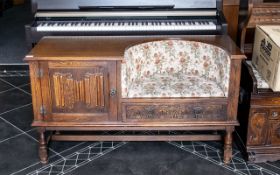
113	92
198	112
274	114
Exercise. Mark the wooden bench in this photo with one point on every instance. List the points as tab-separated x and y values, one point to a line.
135	83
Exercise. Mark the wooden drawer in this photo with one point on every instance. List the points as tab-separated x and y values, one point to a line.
172	112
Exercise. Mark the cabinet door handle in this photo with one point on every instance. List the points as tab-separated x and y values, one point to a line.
113	92
274	114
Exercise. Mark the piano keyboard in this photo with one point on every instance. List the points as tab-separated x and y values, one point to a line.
119	26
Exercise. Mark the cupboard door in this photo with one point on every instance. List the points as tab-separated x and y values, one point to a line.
257	130
79	91
274	138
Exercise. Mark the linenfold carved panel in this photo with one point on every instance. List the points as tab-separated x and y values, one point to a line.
89	89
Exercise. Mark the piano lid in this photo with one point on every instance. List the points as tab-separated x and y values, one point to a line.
124	4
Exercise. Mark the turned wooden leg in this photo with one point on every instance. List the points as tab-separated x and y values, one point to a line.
228	146
43	153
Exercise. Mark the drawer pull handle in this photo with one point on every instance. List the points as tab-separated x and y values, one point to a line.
198	112
113	92
274	114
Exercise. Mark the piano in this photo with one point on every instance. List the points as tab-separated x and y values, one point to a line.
125	17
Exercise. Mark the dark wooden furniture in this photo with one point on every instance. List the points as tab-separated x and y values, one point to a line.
231	12
259	113
1	7
259	106
252	13
90	67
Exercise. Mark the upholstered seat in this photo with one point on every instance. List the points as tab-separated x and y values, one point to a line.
182	86
261	83
175	68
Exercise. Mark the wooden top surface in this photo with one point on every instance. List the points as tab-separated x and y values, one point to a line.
113	47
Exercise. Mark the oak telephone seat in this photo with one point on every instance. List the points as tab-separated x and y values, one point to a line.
135	84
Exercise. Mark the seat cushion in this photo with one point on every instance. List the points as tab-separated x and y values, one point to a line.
261	83
175	68
174	86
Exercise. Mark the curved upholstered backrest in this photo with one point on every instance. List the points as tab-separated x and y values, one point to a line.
174	57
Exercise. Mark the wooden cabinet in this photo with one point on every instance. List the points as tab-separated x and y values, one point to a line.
76	86
259	112
260	127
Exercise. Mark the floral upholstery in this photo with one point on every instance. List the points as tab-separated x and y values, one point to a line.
261	83
175	68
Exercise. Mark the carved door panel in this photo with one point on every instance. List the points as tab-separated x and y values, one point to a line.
274	138
79	91
257	128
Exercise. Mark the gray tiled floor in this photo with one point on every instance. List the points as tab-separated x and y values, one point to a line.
19	145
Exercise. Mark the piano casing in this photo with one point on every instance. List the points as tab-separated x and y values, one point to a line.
124	17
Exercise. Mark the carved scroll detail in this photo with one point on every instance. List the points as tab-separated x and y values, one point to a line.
68	91
257	128
175	112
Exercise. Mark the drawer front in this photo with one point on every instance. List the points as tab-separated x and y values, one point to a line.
173	112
